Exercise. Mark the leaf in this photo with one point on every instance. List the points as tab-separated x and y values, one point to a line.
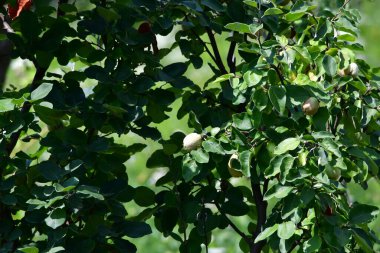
322	135
212	145
363	240
312	245
200	156
294	16
50	171
287	145
90	191
29	249
238	27
245	158
362	213
189	168
56	218
135	229
272	11
278	191
286	230
214	5
55	249
144	196
158	159
6	105
329	64
277	95
42	91
266	233
329	145
242	121
222	78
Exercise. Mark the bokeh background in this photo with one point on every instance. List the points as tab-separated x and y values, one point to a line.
21	73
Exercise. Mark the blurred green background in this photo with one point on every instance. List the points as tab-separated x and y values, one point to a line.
21	74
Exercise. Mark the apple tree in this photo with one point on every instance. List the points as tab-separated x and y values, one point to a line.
289	114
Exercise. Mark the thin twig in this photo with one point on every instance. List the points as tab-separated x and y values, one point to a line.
233	226
231	60
278	73
340	10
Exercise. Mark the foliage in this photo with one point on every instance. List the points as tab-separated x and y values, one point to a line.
72	194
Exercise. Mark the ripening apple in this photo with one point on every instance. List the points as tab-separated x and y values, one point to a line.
192	141
144	28
233	171
310	106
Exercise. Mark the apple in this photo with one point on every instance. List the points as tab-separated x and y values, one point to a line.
192	141
310	106
333	173
233	171
353	69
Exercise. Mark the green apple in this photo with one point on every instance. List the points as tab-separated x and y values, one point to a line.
333	173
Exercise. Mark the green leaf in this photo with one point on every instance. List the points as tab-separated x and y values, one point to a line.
144	196
287	145
286	230
361	213
251	3
56	218
158	159
312	245
200	156
363	240
266	233
29	249
50	171
211	145
242	121
135	229
189	168
277	95
329	145
238	27
294	16
245	158
272	11
329	65
278	191
55	249
90	191
212	4
6	105
42	91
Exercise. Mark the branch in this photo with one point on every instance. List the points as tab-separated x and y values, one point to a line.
218	59
261	207
231	60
